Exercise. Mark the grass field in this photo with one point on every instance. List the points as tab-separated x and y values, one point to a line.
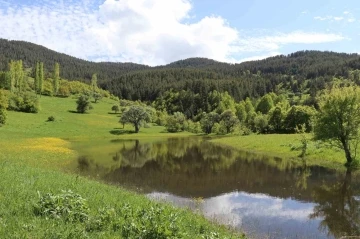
33	154
287	146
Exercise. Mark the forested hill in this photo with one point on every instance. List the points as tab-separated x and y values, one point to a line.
72	68
299	72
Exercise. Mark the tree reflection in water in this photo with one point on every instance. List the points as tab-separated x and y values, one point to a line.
339	208
195	168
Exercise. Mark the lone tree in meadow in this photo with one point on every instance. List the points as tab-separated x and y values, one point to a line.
83	104
115	108
338	121
135	115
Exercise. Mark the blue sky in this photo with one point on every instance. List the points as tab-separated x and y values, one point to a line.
157	32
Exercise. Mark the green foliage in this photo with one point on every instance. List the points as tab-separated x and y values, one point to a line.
26	102
153	223
97	96
265	105
48	88
56	78
3	116
83	104
160	117
41	77
339	119
297	116
136	115
241	111
228	121
93	82
115	108
175	122
51	119
261	123
276	119
67	206
5	81
4	99
193	127
208	121
64	91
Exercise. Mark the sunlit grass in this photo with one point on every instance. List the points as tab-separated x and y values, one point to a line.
285	146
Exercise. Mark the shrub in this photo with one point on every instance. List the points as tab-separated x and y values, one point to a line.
83	104
175	122
64	91
68	206
3	116
26	102
48	88
51	118
115	108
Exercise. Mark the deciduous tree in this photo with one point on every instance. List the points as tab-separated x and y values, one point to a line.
338	121
135	115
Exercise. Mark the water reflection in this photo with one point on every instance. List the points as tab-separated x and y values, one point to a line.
265	196
339	208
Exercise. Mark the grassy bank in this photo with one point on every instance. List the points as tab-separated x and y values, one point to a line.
34	154
287	146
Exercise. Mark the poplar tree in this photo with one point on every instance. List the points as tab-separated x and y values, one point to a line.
94	82
12	70
56	78
37	78
19	75
41	77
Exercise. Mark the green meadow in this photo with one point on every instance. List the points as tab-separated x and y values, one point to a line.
35	157
288	146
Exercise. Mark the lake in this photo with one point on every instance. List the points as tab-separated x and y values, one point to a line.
266	197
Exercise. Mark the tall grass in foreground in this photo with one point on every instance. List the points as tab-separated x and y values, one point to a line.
34	205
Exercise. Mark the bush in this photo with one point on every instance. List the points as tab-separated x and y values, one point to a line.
26	102
175	122
48	88
4	99
64	91
51	118
3	116
67	206
83	104
115	108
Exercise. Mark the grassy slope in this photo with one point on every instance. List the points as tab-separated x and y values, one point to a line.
33	150
282	145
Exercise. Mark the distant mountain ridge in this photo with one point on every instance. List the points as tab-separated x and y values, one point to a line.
296	71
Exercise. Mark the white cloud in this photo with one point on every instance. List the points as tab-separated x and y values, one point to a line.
269	215
143	31
322	18
274	42
348	17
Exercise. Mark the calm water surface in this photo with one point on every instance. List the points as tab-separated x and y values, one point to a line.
265	197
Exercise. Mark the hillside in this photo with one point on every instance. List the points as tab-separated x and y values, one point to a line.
299	72
72	68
